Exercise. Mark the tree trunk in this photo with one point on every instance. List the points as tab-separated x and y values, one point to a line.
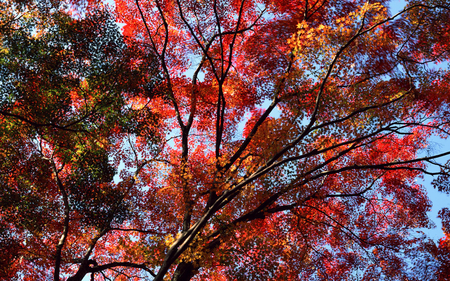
184	272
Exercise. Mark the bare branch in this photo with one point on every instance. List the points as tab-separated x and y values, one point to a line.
120	264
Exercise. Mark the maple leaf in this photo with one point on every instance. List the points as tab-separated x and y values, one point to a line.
216	140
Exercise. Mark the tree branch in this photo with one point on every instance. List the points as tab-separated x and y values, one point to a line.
120	264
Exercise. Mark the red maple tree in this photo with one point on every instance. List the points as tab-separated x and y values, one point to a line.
216	140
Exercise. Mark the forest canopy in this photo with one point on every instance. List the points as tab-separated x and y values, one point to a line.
222	140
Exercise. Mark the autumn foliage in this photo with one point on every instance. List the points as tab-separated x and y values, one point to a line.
222	140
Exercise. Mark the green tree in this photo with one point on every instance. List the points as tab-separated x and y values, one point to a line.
65	81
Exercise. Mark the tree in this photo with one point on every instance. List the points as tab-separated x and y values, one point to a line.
65	81
245	140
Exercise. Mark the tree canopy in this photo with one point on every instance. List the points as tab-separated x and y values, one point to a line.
222	140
